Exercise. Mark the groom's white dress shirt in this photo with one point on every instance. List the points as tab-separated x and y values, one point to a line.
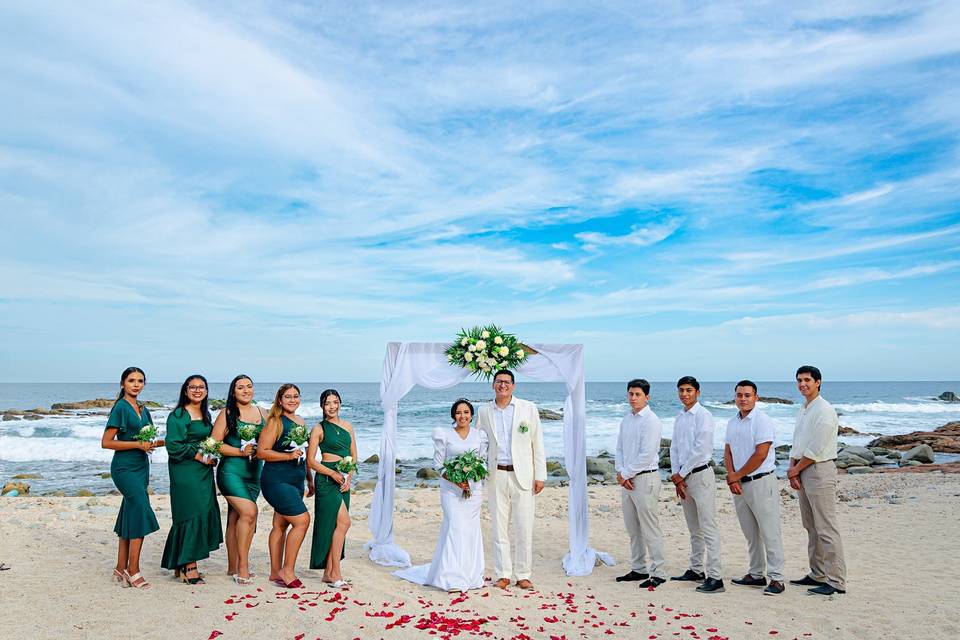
504	424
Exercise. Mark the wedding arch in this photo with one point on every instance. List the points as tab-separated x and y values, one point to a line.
408	364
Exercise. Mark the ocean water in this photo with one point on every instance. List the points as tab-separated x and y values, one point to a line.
66	449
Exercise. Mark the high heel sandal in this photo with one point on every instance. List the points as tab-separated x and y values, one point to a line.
136	581
117	577
242	581
191	581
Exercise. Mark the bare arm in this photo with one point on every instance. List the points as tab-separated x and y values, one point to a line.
268	437
109	441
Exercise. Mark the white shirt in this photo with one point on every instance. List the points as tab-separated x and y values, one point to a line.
638	444
503	420
743	436
692	444
815	435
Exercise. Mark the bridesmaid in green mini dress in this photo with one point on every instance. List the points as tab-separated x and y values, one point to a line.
238	475
195	531
130	470
333	438
282	480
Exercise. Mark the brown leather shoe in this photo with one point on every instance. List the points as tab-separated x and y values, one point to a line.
502	583
525	584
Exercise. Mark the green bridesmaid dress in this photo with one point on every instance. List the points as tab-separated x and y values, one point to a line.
130	470
282	482
193	501
327	496
237	476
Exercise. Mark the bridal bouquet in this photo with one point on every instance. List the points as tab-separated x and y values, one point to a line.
148	433
248	435
484	350
346	465
297	438
209	449
465	467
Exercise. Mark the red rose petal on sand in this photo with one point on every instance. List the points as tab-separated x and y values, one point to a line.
215	634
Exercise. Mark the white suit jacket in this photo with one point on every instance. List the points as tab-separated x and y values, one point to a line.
529	461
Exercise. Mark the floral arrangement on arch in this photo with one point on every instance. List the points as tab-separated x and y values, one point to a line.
485	350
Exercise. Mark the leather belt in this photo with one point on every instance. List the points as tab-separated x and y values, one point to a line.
698	469
755	477
647	471
505	467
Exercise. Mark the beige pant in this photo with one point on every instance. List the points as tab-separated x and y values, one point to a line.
640	506
509	499
818	512
758	511
699	510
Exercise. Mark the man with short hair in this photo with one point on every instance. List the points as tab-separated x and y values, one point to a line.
637	462
518	469
813	473
691	451
750	460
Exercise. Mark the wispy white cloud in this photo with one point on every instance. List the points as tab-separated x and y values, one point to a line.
639	236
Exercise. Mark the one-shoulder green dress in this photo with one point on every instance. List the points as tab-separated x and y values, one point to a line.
282	482
130	470
328	497
237	476
195	531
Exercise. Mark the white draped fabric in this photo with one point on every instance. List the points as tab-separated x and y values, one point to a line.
408	364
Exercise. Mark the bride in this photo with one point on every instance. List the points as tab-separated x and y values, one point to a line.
457	563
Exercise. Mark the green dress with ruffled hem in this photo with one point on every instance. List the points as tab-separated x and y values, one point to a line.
196	529
327	495
130	471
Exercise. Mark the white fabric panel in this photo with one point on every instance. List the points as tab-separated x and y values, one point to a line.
423	363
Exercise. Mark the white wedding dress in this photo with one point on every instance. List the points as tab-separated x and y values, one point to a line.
458	559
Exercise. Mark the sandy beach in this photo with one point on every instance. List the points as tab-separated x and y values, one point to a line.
899	532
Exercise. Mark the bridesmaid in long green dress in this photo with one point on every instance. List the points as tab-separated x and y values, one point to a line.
130	470
333	438
282	480
195	531
238	475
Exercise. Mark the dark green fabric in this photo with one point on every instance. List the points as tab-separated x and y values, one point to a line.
237	476
327	496
282	482
196	529
130	471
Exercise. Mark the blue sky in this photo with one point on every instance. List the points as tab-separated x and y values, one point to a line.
723	189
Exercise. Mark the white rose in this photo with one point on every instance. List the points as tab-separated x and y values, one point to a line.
485	366
504	351
485	335
468	356
519	353
348	459
472	347
498	340
463	342
481	344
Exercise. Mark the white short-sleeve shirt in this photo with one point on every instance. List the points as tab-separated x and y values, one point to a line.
744	434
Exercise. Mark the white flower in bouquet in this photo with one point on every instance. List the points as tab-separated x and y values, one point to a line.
504	351
498	340
519	353
485	334
481	345
485	366
472	347
468	356
464	342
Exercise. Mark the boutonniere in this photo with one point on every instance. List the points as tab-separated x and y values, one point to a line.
523	428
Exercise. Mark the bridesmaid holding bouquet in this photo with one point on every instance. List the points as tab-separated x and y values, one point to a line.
284	473
333	439
131	435
195	531
238	475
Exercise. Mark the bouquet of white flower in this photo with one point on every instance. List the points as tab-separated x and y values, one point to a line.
485	350
147	433
297	438
248	435
465	467
346	465
209	449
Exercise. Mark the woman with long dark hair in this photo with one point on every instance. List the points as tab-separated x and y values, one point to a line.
282	480
333	439
238	475
195	531
130	471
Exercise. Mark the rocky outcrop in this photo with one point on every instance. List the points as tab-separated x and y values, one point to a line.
427	473
216	404
913	467
945	439
948	396
15	489
374	459
922	453
766	399
96	403
550	414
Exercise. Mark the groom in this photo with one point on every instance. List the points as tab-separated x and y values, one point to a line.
517	471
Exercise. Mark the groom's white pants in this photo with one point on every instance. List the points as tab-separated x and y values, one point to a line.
512	500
